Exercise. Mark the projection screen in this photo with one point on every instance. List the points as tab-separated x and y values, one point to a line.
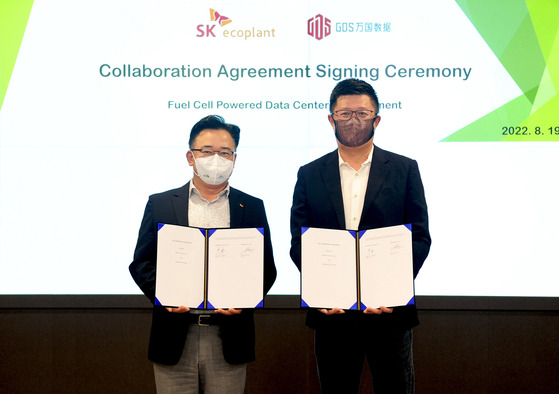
98	98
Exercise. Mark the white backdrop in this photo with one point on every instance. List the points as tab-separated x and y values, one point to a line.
81	152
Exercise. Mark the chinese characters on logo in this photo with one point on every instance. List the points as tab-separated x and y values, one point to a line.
320	27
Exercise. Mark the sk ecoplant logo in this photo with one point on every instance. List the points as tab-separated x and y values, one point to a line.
243	32
207	30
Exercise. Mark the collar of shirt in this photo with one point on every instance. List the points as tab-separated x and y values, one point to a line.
368	161
195	192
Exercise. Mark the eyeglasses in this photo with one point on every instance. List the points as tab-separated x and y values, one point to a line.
361	114
206	152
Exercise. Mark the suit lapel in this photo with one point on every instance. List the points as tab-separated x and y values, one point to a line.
236	208
380	166
331	176
180	203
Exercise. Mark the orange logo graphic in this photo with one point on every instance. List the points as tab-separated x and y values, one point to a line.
216	17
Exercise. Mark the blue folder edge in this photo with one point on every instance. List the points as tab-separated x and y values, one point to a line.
408	226
260	304
303	303
412	301
212	231
354	307
157	302
304	230
160	226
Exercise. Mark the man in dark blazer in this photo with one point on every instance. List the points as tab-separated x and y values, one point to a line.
361	186
209	201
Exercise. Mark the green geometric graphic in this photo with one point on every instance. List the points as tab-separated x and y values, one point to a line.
524	35
14	15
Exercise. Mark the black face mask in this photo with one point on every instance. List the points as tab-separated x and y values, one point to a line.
354	132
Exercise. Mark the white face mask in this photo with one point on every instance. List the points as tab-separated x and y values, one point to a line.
214	170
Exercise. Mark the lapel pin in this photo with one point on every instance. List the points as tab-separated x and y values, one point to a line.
242	206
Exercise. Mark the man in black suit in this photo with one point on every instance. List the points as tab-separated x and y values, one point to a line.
204	351
358	187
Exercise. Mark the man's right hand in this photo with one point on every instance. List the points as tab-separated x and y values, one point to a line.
180	309
334	311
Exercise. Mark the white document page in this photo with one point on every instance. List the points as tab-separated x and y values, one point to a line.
236	268
386	263
328	268
180	266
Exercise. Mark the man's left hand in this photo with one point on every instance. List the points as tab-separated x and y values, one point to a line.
378	311
228	312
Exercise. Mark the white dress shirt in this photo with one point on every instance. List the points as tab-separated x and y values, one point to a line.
354	187
208	214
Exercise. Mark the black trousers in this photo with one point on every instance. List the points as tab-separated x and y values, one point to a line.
341	351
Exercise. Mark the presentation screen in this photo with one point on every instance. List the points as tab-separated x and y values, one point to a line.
98	99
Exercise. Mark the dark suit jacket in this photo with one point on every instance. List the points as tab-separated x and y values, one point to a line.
394	196
169	330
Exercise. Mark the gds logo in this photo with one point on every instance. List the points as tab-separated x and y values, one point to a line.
319	27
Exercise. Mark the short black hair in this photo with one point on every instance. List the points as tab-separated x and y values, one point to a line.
355	87
214	122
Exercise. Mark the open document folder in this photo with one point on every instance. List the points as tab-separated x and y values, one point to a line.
356	269
210	268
